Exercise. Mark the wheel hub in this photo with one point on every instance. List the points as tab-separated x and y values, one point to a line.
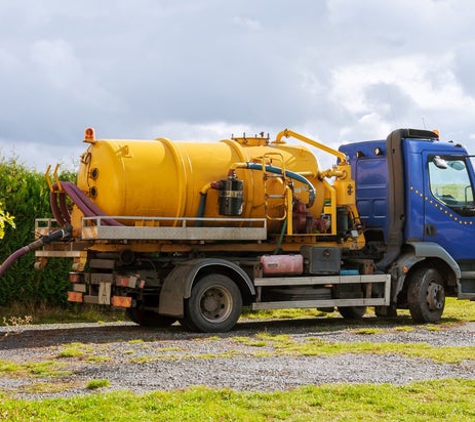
215	304
435	296
210	303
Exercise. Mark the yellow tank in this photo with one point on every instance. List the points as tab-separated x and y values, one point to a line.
164	178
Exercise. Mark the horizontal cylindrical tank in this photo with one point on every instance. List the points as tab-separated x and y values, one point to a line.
164	178
282	264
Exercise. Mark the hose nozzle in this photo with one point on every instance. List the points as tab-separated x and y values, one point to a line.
63	233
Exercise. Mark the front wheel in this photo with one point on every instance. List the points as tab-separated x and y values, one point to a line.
426	295
214	306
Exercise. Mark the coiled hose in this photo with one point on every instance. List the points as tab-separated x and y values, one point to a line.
87	207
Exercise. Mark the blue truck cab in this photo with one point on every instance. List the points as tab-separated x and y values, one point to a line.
415	196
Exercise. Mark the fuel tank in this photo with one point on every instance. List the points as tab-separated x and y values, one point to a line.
164	178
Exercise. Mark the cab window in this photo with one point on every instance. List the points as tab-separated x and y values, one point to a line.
450	183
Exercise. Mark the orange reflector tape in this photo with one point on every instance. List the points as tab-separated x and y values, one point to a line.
122	301
75	297
126	281
122	280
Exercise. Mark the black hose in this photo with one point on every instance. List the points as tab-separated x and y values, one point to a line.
12	258
63	217
288	173
38	243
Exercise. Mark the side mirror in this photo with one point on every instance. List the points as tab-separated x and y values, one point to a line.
457	165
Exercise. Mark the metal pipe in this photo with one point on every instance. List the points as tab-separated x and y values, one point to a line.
287	133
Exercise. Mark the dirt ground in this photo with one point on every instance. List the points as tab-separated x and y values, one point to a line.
144	359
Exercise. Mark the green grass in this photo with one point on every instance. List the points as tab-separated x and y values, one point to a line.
95	384
418	401
18	314
36	369
436	400
284	345
456	311
74	350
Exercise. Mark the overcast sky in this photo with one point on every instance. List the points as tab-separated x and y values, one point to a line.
335	70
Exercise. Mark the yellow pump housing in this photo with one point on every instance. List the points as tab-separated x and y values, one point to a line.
168	178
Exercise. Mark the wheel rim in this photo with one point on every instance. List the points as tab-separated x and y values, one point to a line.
216	304
435	296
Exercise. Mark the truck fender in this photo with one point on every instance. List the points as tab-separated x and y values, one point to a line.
179	283
420	252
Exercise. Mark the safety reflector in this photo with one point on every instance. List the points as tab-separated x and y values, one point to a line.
75	297
122	301
74	277
126	281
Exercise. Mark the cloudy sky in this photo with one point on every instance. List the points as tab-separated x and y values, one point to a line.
335	70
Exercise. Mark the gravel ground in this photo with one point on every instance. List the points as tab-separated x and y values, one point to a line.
143	360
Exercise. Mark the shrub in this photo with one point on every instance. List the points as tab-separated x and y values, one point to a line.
24	194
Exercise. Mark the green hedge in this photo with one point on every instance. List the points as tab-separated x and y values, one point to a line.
24	194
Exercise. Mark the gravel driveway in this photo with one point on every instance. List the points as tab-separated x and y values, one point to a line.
142	360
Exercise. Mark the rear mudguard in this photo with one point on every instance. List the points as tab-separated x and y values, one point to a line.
178	284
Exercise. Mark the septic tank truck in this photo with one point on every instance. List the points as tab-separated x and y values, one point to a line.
194	231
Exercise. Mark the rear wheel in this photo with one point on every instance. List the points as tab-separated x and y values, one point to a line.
426	295
214	306
147	318
352	312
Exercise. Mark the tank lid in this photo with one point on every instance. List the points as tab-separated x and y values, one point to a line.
256	140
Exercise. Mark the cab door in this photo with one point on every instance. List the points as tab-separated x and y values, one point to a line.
449	217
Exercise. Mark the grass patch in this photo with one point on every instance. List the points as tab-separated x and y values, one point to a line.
24	313
284	314
75	350
248	341
369	331
446	354
404	328
284	345
98	359
147	359
36	369
95	384
47	388
459	310
419	401
455	311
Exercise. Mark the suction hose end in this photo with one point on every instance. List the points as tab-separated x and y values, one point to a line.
63	233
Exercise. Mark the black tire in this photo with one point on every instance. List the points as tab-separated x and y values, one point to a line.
352	312
426	295
214	306
186	324
146	318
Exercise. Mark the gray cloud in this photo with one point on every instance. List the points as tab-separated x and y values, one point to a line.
202	69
